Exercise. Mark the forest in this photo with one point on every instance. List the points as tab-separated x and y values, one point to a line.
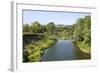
42	36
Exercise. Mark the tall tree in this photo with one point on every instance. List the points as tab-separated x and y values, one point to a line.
50	27
26	28
82	31
36	27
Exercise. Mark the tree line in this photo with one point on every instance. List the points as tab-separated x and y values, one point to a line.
79	32
82	32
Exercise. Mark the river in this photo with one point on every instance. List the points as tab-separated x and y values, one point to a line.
63	50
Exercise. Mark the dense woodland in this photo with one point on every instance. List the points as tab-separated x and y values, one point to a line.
79	32
82	33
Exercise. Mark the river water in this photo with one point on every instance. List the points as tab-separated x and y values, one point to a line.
63	50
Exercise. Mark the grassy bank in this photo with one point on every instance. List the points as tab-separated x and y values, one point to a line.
80	53
36	49
83	47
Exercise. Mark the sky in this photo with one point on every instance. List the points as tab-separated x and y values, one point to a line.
44	17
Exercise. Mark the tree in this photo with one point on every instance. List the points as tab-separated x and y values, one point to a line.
78	27
50	27
43	28
87	29
82	31
26	28
36	27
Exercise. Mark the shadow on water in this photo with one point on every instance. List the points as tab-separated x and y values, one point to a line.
81	55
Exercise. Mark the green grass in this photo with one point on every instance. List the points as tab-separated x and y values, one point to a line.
36	49
84	47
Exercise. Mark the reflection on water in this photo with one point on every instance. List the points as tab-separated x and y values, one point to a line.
80	54
63	50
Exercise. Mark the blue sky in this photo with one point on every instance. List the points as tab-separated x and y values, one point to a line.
44	17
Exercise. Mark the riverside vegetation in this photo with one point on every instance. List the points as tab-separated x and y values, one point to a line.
38	37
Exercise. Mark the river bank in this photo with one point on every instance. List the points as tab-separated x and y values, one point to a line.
88	51
35	49
85	52
64	50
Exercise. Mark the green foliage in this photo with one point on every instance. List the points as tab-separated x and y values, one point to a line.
36	27
50	27
82	32
35	49
43	28
26	28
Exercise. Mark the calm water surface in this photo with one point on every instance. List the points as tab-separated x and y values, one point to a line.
63	50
